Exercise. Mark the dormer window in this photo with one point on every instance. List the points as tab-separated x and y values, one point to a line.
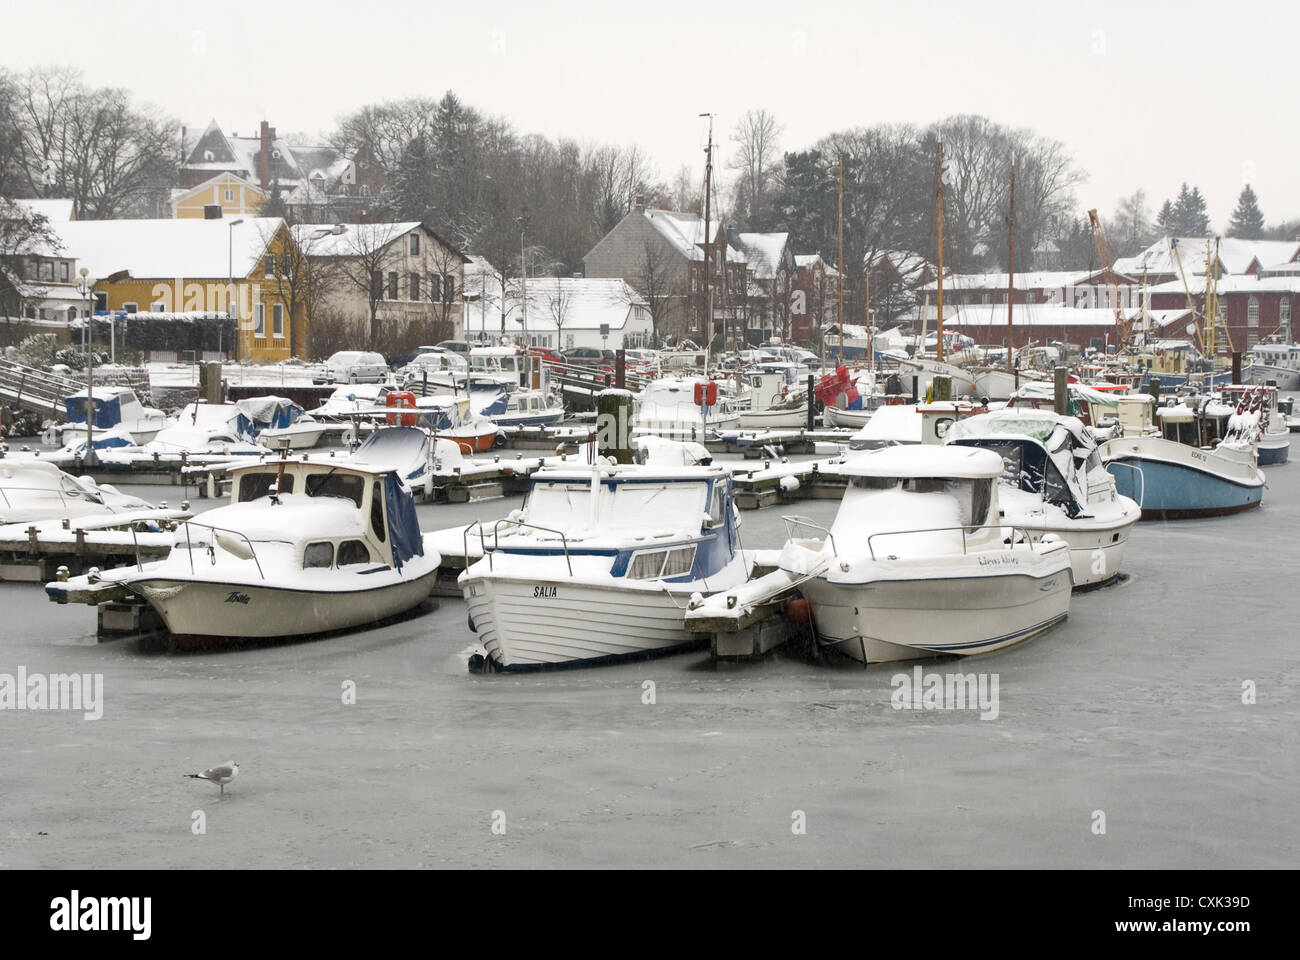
208	156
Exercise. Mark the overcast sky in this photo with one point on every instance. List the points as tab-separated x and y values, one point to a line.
1143	94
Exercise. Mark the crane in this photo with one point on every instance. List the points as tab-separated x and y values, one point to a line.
1107	262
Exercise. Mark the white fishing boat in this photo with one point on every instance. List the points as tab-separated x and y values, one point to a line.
1266	421
1054	483
918	562
1276	362
33	489
303	548
670	408
529	408
601	563
774	401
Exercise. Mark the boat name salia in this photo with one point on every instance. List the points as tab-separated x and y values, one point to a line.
546	592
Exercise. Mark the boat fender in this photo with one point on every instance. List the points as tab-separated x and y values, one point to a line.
470	621
798	610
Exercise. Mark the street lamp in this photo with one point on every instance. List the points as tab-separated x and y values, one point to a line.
86	287
230	288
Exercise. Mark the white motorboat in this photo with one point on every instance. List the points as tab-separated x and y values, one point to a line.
33	489
303	548
1278	363
668	408
206	429
917	562
528	408
774	402
277	423
1053	482
601	563
119	418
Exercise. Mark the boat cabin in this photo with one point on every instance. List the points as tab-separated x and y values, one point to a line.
334	515
658	523
113	407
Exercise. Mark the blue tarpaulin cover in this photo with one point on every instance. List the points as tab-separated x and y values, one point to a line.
403	525
264	413
108	410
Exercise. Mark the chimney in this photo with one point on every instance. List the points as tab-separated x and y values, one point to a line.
264	155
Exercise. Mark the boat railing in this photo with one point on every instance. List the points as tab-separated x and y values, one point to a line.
80	496
496	538
793	523
189	545
965	529
1142	478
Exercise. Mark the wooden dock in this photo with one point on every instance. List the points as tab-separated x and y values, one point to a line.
35	552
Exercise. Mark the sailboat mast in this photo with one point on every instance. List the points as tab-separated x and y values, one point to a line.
938	177
840	257
707	328
1011	272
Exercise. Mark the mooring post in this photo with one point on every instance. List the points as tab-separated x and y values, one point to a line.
812	409
1062	392
614	425
941	388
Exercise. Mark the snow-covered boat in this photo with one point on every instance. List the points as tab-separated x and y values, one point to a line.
918	563
774	401
1276	362
277	423
303	548
205	428
33	489
453	418
1053	482
1174	474
601	563
1260	403
668	408
119	418
529	408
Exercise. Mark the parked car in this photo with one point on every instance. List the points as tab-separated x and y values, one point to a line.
433	361
585	356
546	354
353	366
454	346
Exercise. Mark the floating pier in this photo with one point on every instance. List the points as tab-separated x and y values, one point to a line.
35	552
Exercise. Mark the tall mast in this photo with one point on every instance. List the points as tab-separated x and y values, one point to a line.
1011	271
840	257
707	328
938	176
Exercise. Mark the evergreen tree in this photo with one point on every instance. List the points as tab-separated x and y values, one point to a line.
1166	219
275	205
1190	218
409	193
1247	221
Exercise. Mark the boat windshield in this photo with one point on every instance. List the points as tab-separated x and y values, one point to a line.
566	505
345	485
254	486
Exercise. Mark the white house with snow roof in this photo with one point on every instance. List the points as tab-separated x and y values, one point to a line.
563	313
1160	261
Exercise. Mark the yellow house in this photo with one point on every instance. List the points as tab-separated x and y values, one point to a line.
245	265
235	196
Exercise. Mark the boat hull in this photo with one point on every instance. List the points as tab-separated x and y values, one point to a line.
764	419
1274	449
852	419
530	624
1286	379
1178	482
209	613
913	617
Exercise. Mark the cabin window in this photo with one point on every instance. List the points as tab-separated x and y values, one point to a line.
353	551
254	486
981	500
346	486
875	483
319	554
377	511
679	561
717	508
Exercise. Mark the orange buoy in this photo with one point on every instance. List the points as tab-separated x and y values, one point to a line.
798	610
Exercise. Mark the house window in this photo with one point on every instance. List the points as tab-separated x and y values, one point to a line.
435	287
448	288
414	282
286	264
415	244
986	298
365	189
269	264
1252	338
1284	311
392	285
63	272
376	285
47	270
1252	312
131	307
230	195
277	320
259	320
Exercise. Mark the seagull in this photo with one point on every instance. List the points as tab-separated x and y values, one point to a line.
221	775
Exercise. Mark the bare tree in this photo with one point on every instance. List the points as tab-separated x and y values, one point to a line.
301	278
443	293
22	233
756	161
557	308
362	265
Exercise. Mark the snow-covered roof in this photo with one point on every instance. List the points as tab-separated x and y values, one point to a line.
812	259
685	231
289	164
763	252
187	248
994	315
1239	283
348	239
1030	280
906	264
583	303
924	460
1235	254
53	210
